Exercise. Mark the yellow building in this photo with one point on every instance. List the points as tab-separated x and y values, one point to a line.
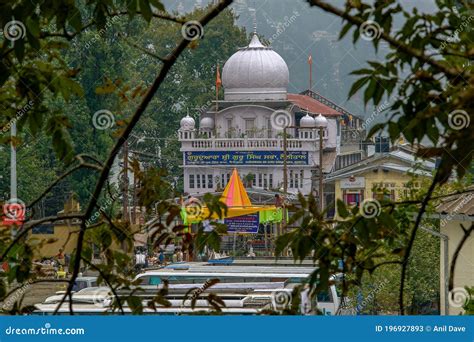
390	175
58	235
63	234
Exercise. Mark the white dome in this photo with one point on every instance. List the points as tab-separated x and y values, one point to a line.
321	121
255	72
187	123
206	123
307	122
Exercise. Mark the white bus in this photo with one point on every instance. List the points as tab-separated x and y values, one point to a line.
259	283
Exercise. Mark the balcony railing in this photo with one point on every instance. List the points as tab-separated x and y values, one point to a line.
251	143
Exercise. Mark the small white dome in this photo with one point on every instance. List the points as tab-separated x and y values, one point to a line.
307	122
206	123
187	123
321	121
255	72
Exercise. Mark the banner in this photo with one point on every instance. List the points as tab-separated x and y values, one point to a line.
242	224
245	158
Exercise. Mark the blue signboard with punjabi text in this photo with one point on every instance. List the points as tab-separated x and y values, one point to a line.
242	224
245	158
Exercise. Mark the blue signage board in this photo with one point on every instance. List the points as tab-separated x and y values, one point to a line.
245	158
242	224
262	328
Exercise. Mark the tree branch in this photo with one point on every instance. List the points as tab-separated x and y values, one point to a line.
167	64
142	49
406	256
357	21
71	35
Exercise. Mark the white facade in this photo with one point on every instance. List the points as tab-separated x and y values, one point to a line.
246	131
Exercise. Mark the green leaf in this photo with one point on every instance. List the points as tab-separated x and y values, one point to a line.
19	49
158	5
344	30
75	19
135	304
69	87
3	289
341	209
393	130
369	92
357	85
375	128
132	8
362	72
146	10
379	91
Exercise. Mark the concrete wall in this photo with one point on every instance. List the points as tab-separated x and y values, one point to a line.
464	272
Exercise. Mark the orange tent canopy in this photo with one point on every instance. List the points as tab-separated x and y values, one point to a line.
234	197
234	194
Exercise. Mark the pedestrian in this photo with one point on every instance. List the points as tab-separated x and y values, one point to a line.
161	257
278	201
60	257
139	260
305	300
67	259
179	255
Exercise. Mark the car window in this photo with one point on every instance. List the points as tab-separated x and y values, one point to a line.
324	296
155	281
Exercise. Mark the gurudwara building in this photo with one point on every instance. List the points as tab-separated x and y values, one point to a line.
245	130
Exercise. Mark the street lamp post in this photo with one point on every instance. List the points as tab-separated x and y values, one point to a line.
13	174
285	173
321	123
